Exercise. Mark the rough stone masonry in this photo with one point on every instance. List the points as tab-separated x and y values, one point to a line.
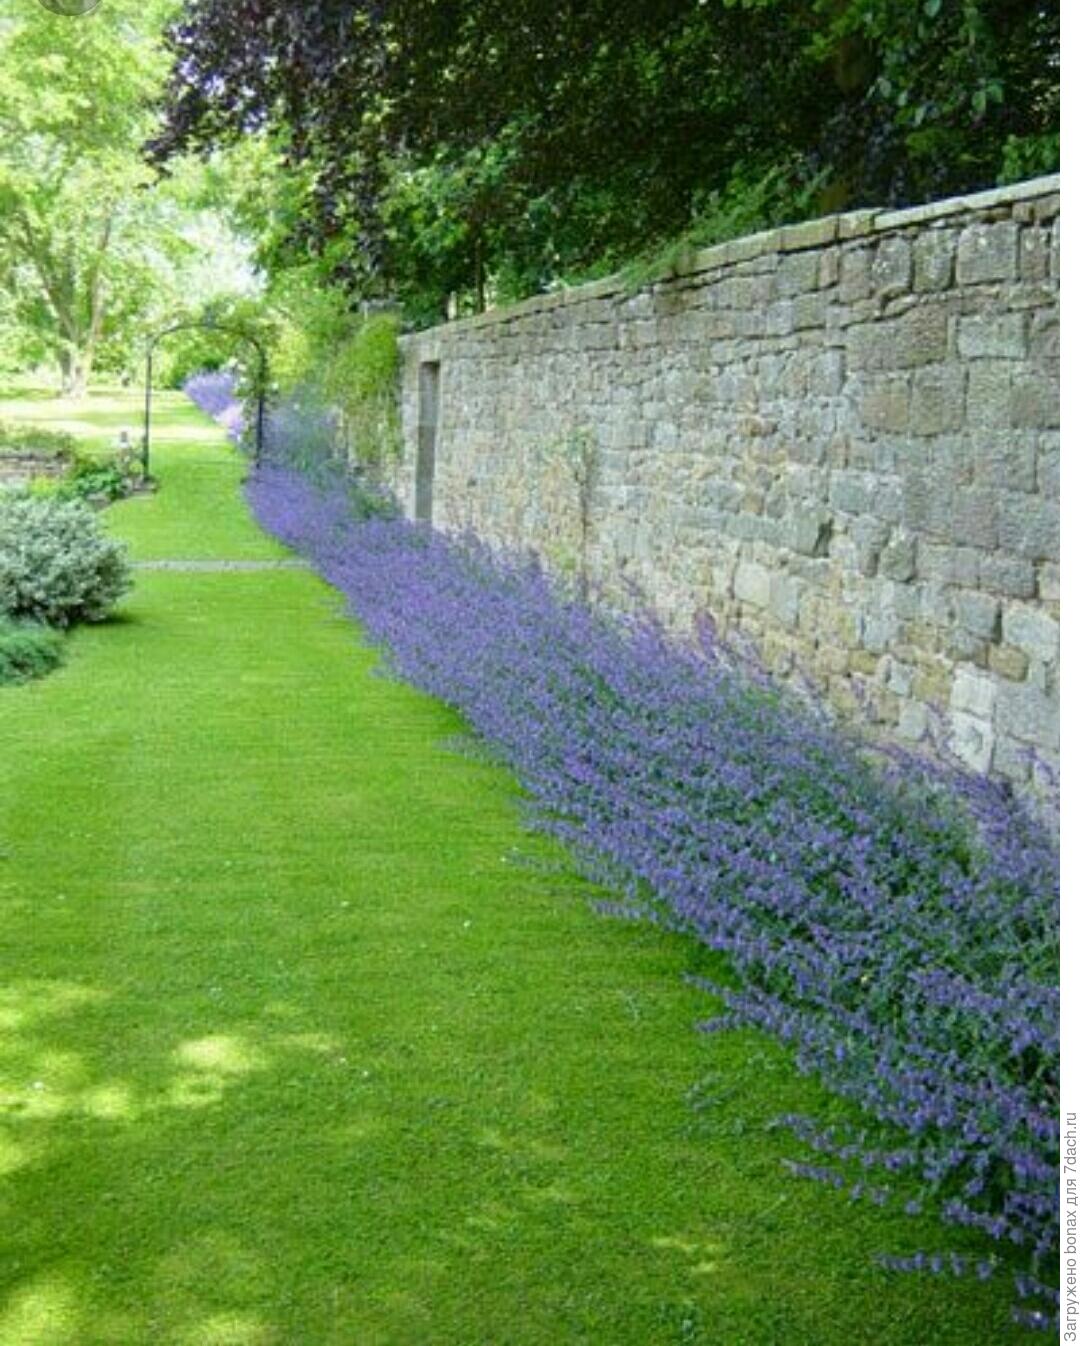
839	439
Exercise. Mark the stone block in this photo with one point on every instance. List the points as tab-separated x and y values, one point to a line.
866	663
928	504
994	336
1008	662
780	318
1005	460
933	682
890	271
897	559
1043	676
1011	759
1012	576
1047	469
1031	631
839	625
988	394
961	646
1029	714
1044	337
856	223
854	492
917	337
988	252
784	594
1048	207
870	532
936	604
1034	402
914	722
1049	577
943	563
809	234
885	404
1028	526
752	584
973	692
854	274
880	630
796	274
934	253
975	516
808	530
828	268
937	400
898	677
1034	254
806	482
980	614
826	374
808	310
972	741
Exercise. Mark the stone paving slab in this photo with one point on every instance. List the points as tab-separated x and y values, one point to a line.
212	566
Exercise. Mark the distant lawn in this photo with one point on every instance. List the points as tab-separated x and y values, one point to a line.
304	1041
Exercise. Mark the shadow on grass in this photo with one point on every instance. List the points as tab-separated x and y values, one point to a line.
118	618
183	1221
194	1173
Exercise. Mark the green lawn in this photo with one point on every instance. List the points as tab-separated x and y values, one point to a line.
304	1040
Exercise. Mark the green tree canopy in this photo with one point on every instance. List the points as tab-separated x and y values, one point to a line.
89	245
480	146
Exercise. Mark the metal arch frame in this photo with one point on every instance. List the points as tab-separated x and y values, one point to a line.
264	370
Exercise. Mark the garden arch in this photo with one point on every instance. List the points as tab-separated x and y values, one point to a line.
244	335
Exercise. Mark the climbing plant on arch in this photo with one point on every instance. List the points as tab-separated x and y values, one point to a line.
261	382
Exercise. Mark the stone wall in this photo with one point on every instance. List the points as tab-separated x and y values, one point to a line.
19	469
838	438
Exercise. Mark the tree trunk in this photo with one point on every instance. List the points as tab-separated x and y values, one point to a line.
80	374
64	360
75	368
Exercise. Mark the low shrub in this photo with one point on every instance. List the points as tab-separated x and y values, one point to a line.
91	479
27	650
56	563
893	922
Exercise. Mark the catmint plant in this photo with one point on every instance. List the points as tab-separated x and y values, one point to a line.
891	920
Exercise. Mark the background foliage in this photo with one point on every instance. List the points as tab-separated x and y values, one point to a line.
95	250
457	153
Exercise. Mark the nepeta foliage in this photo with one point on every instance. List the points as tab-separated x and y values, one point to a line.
894	923
303	435
215	393
56	563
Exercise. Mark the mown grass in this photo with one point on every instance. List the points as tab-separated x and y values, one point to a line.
305	1040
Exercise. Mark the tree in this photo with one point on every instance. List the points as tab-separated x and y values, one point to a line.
480	147
80	236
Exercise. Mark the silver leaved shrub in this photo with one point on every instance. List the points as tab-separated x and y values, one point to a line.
56	563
